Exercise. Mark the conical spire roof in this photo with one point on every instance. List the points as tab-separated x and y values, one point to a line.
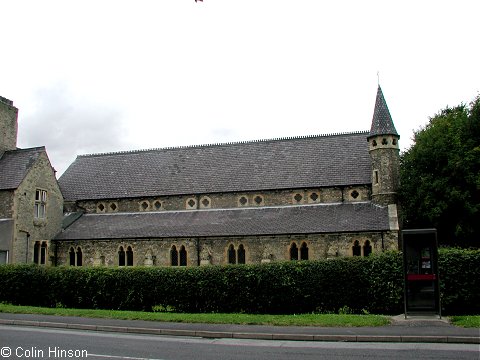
382	123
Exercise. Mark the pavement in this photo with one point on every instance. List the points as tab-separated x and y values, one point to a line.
418	329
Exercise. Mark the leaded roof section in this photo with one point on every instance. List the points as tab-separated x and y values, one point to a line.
303	162
382	123
15	165
305	219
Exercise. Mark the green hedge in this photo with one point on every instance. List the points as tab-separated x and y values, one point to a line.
373	284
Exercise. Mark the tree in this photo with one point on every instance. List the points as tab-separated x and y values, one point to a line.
440	176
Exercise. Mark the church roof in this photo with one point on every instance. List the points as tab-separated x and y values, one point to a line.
304	219
15	164
300	162
382	123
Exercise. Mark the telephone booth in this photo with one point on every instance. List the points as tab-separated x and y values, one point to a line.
420	261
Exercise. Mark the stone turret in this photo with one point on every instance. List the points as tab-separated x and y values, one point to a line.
384	152
8	125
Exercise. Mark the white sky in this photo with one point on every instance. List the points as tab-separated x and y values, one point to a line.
99	76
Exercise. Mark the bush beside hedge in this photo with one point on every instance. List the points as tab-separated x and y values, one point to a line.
373	284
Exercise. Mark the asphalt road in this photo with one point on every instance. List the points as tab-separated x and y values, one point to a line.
40	343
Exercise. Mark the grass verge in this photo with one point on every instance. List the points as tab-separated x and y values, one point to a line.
468	321
212	318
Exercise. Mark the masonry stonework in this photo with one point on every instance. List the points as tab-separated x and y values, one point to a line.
40	177
214	250
8	125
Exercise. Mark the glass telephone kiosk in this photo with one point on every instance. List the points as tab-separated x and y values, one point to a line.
420	260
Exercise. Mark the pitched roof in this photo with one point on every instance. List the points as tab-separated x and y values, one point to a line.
15	164
304	219
315	161
382	123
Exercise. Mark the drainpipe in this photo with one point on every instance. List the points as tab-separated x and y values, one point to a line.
383	245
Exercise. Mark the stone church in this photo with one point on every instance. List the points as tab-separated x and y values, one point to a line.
299	198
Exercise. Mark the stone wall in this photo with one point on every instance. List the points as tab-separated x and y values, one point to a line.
40	177
384	152
214	250
226	200
8	125
6	204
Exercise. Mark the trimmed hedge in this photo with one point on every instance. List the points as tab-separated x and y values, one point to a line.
373	284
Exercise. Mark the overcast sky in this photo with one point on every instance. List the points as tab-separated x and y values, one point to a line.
101	76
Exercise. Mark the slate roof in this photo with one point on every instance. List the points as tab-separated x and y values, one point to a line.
15	164
382	123
302	162
304	219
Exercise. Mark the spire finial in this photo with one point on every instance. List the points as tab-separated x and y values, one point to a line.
378	78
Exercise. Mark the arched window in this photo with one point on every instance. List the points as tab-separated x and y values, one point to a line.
129	256
293	252
241	254
121	256
79	257
232	258
174	256
36	252
304	251
183	256
43	253
367	248
72	256
356	249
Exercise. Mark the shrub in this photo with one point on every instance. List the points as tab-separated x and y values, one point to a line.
359	285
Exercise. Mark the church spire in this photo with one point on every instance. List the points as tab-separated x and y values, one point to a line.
382	123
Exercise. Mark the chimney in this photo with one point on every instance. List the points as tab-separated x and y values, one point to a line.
8	125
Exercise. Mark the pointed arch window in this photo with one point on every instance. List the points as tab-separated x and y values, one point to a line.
71	255
79	257
121	256
173	256
183	256
367	248
356	249
129	256
36	251
241	254
293	252
304	251
43	253
232	258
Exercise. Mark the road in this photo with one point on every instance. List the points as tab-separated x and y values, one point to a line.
43	343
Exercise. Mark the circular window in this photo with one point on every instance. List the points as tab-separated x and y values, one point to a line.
191	203
144	205
157	204
314	196
243	200
298	197
354	194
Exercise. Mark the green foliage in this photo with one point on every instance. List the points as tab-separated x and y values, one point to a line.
344	285
440	176
459	280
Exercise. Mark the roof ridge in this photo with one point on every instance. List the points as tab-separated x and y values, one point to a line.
36	148
359	132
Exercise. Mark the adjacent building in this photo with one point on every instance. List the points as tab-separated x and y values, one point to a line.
31	203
